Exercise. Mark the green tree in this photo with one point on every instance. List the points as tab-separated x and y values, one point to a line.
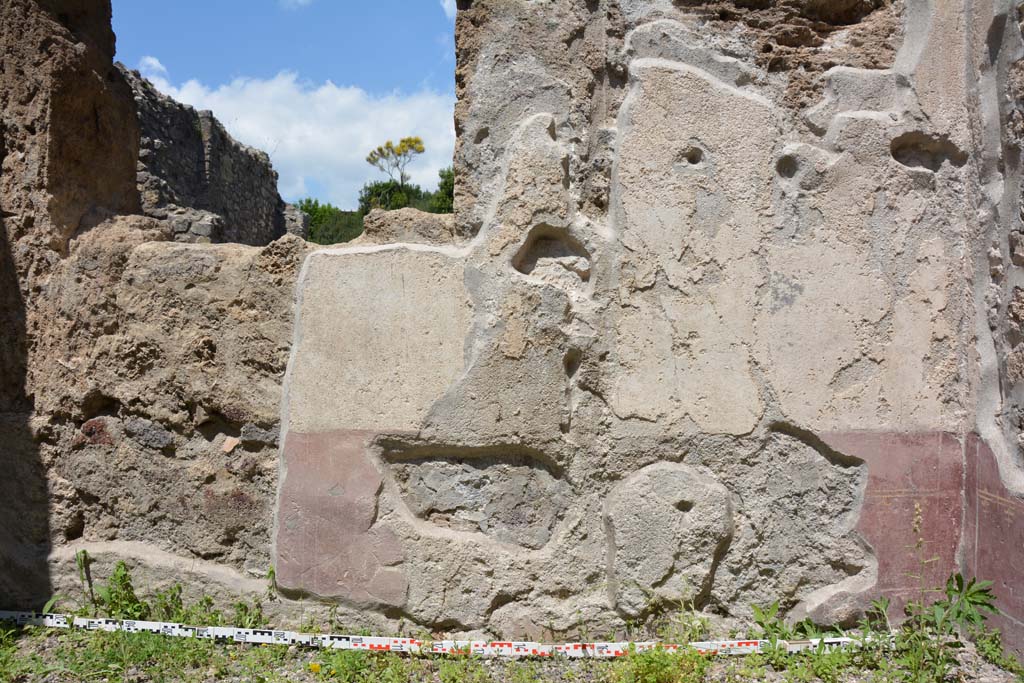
330	225
443	200
393	159
389	195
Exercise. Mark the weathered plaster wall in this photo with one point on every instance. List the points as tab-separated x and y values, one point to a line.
993	540
731	287
719	288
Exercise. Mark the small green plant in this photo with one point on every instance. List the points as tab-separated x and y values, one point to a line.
463	670
770	625
84	563
51	604
113	656
679	621
989	643
778	657
348	666
168	605
659	666
398	670
923	643
751	668
582	628
830	665
524	672
967	603
872	647
11	666
117	597
877	617
248	615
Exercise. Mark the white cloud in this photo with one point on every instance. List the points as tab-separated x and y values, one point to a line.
294	4
151	67
449	8
318	135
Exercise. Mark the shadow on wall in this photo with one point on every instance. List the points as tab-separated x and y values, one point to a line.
24	523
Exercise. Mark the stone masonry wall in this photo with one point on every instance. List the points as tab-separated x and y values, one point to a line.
732	287
721	306
194	174
67	149
140	379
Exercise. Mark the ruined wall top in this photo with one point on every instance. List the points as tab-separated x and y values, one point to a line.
572	58
208	185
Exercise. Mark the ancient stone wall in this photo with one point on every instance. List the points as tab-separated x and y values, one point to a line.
140	379
993	540
731	291
68	145
195	175
714	319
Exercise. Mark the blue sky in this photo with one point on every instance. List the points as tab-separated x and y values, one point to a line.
315	83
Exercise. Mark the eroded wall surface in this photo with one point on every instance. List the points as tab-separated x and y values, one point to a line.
140	379
731	292
711	323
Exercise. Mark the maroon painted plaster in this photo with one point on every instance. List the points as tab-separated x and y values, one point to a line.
904	469
328	540
994	539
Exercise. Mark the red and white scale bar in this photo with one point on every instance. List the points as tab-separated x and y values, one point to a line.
511	649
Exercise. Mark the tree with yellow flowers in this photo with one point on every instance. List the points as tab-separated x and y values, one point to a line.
393	159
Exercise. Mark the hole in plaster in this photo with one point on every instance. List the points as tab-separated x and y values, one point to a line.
571	362
917	149
684	505
787	166
694	156
553	255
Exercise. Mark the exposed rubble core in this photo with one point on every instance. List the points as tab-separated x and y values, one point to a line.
68	140
140	379
580	70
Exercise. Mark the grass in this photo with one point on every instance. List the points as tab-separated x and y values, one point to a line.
64	656
121	657
923	649
659	666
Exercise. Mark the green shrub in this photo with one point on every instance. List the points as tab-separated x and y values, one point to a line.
348	666
443	200
330	225
389	195
117	597
463	670
989	643
659	666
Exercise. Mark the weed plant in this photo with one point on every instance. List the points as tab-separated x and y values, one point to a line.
921	649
